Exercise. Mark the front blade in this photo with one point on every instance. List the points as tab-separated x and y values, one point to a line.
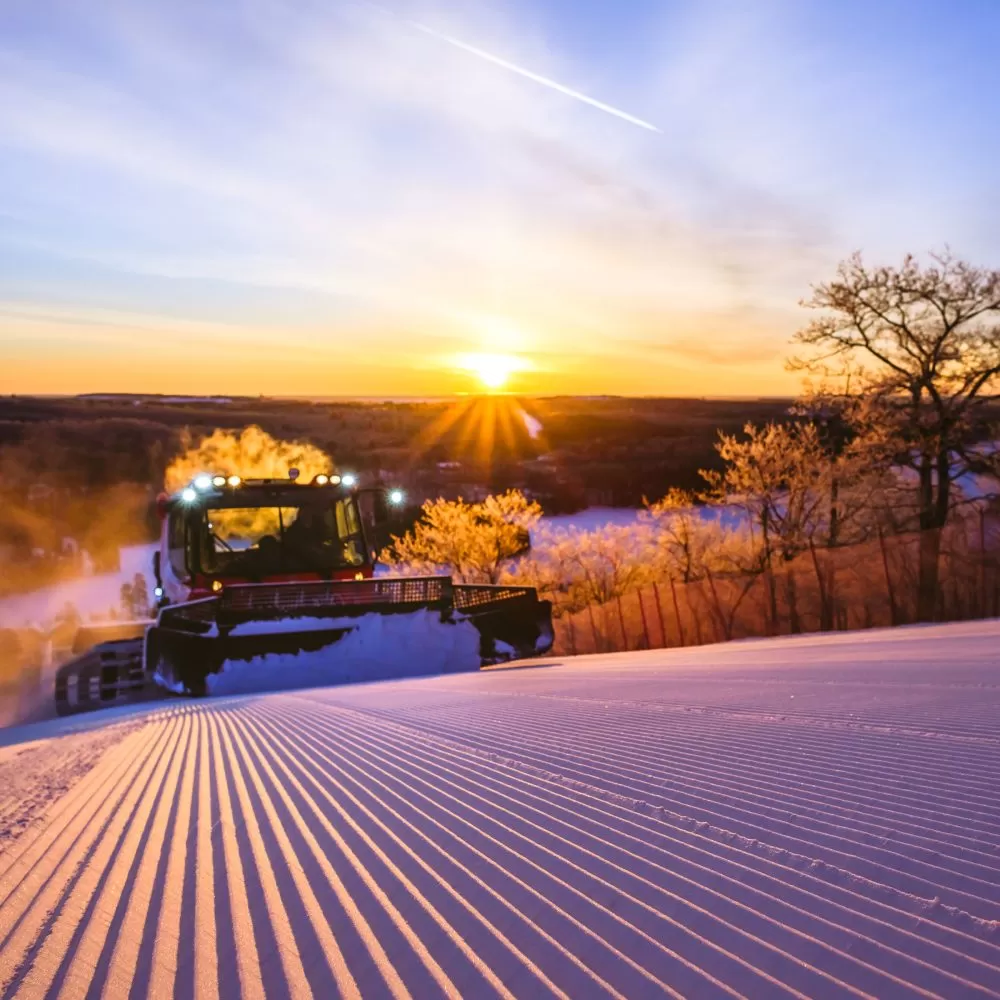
258	657
335	632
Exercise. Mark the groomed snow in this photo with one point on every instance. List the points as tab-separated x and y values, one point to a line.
811	817
591	519
599	518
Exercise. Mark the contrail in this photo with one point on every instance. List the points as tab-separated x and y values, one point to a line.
521	71
543	80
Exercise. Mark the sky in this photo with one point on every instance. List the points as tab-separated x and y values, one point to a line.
294	197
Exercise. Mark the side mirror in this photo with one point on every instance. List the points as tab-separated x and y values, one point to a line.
380	509
158	599
162	508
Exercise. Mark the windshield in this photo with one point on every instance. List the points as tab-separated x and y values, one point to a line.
261	541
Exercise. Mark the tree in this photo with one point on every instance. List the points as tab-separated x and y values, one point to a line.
861	483
688	544
140	597
473	541
918	348
589	567
677	526
125	599
780	475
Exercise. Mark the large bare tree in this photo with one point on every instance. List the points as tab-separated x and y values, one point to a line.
919	347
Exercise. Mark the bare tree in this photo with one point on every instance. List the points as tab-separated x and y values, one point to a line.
922	347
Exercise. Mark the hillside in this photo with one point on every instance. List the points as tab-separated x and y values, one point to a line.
815	816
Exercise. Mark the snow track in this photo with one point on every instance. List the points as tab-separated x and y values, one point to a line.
815	817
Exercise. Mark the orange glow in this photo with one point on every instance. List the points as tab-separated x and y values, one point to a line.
96	353
483	429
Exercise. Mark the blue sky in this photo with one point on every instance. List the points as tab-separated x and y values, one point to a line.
335	198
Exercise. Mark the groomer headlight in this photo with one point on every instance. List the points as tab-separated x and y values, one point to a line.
189	495
218	481
349	479
321	480
234	480
203	482
396	497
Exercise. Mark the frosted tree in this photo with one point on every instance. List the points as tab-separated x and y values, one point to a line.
140	596
474	542
689	540
125	600
780	475
578	568
863	486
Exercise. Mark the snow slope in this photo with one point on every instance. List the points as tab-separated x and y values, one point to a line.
591	519
92	596
598	518
811	817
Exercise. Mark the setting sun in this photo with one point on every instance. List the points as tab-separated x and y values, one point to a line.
492	370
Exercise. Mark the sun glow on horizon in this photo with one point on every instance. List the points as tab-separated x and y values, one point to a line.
493	371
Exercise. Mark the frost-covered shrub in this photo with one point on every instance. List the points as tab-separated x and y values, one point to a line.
577	568
474	542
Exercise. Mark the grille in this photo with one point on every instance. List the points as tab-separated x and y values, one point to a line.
470	595
271	598
274	600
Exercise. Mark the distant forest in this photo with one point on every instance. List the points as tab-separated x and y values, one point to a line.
87	469
626	448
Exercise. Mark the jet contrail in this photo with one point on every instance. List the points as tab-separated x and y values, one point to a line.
543	80
520	70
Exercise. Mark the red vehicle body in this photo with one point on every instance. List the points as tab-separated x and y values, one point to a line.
233	531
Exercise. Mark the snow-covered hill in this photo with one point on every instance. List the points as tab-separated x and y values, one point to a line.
812	817
92	596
